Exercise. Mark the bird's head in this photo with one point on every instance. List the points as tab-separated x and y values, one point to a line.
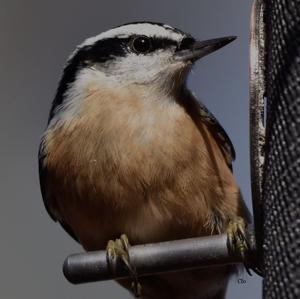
152	55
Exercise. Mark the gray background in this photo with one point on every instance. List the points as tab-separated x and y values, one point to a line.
36	38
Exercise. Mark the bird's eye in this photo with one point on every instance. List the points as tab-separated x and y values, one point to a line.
141	44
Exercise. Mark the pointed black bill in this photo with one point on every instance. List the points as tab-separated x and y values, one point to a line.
200	49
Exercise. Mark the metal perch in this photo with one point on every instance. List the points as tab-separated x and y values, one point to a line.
156	258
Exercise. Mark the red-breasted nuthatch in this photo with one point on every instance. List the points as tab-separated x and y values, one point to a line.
128	149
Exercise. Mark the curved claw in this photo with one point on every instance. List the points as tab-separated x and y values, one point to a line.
236	234
119	248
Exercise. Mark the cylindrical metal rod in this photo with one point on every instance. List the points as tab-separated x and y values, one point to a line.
152	258
257	115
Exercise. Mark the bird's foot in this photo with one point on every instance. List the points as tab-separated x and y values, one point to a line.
119	248
236	234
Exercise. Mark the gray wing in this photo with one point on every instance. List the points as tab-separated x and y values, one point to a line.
195	106
45	194
219	133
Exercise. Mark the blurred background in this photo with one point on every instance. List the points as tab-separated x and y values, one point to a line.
36	38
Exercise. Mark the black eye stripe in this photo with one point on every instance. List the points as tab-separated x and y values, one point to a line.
186	43
106	49
110	48
163	43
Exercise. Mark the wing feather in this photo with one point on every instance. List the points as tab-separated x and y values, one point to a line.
45	194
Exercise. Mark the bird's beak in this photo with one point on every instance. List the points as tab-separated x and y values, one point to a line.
200	49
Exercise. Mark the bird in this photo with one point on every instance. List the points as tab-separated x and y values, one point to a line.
130	151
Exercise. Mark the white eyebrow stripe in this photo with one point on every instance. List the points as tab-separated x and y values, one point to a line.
125	31
132	29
